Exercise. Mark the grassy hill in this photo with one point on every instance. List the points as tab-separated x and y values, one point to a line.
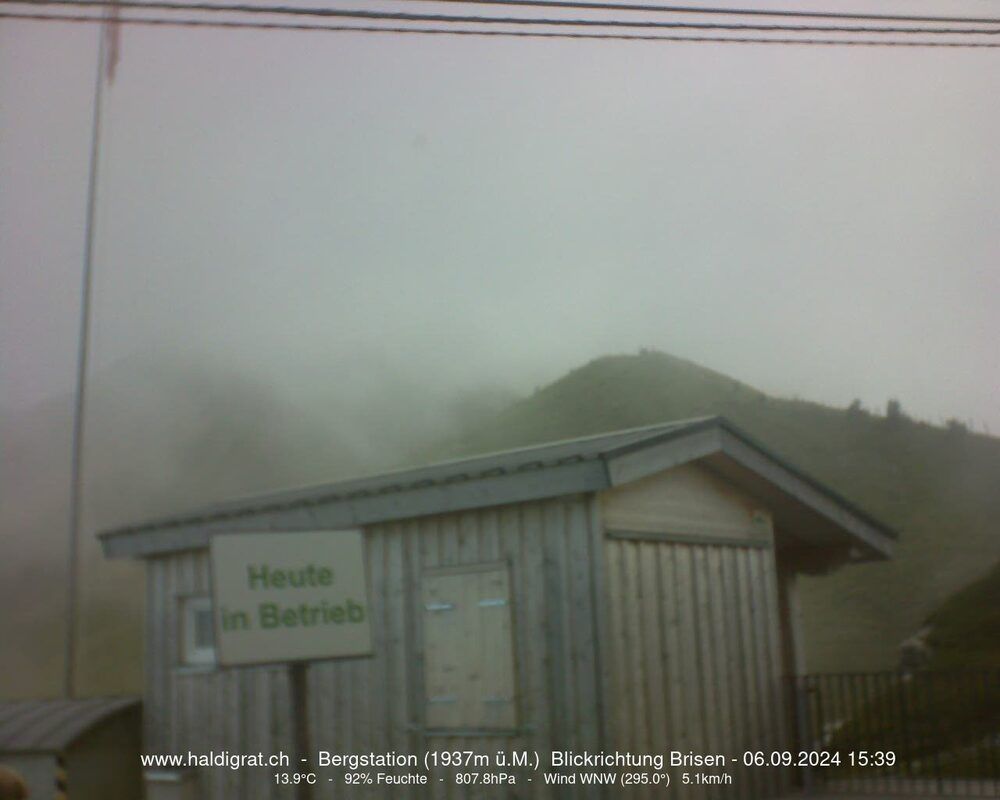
964	633
167	435
937	486
950	697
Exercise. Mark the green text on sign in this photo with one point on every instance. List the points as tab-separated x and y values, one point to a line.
290	596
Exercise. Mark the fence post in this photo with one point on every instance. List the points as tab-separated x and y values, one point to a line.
800	708
932	706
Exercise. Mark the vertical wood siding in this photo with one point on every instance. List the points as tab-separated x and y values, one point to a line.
696	666
639	645
240	710
378	703
687	500
359	705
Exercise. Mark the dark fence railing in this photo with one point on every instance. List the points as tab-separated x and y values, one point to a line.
919	733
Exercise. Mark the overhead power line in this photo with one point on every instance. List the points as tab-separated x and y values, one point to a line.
729	12
474	19
491	32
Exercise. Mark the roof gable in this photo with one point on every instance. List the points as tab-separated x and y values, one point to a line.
579	465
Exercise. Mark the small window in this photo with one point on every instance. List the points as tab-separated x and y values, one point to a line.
197	631
468	645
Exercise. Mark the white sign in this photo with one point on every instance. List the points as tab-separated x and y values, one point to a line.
289	596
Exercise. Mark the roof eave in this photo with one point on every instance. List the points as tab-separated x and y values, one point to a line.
515	487
875	538
676	445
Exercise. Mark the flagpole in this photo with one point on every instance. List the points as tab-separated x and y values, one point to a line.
79	411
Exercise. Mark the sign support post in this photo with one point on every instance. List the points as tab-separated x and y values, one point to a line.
291	597
299	679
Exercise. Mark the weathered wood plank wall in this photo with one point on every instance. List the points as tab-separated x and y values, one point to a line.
198	710
694	626
360	705
697	664
660	637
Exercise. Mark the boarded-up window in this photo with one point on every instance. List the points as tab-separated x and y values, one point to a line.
469	657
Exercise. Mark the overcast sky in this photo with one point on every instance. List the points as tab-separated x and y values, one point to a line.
819	222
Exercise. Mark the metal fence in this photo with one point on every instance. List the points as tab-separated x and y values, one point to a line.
919	733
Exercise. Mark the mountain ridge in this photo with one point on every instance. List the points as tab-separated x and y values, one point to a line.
935	485
163	440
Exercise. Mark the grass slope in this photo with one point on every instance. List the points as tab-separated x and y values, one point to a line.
941	719
167	438
965	630
937	486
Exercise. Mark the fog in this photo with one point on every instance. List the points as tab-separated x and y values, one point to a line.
817	222
352	246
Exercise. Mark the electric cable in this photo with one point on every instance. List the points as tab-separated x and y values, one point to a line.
731	12
403	17
453	31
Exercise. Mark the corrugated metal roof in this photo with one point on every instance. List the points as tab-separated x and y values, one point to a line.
49	726
505	462
591	463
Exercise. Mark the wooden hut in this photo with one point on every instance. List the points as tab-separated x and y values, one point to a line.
633	591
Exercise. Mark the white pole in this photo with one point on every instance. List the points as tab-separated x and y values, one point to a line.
80	406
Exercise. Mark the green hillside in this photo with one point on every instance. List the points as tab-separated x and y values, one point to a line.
950	696
937	486
964	633
164	438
